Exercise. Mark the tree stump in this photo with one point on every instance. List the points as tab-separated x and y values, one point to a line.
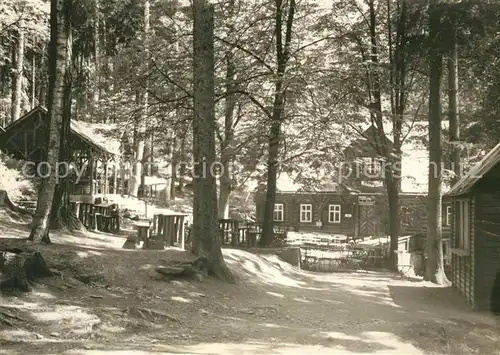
17	270
196	269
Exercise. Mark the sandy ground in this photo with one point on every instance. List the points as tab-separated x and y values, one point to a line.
109	301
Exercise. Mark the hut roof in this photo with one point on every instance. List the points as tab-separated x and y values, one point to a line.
467	182
97	135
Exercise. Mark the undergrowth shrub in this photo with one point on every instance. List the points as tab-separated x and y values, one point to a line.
12	179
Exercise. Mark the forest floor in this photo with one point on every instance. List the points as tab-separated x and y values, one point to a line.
109	301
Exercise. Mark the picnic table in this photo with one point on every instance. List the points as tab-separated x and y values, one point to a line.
143	230
254	232
229	231
106	217
170	227
29	205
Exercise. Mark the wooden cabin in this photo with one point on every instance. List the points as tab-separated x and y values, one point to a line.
355	204
96	153
331	212
350	213
476	233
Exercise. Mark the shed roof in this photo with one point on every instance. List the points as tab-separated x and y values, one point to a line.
97	135
467	182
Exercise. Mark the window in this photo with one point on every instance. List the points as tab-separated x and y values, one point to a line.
334	214
278	212
448	216
372	166
306	213
366	200
462	221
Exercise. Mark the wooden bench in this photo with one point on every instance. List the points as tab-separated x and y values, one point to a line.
242	235
109	224
170	228
143	230
102	217
27	205
229	231
254	232
280	234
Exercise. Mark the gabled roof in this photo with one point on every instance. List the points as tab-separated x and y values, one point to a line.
91	133
365	138
467	182
95	134
372	132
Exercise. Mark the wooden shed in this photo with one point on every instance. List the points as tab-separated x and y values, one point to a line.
476	233
93	149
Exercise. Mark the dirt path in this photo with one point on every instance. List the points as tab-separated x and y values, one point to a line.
109	301
274	309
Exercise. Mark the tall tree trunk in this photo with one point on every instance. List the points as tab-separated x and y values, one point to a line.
97	61
170	157
272	175
61	215
206	239
12	81
393	185
391	155
227	146
137	178
434	266
5	77
17	92
397	81
181	164
174	163
42	93
225	190
282	55
59	34
145	162
33	78
453	109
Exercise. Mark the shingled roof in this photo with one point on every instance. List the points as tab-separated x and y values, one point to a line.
97	135
467	182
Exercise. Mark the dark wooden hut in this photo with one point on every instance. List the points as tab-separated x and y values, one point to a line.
476	233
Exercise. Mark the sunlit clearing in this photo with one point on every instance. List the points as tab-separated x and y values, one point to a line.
379	296
303	300
180	299
279	295
270	325
111	328
391	341
266	269
19	303
86	254
340	336
110	352
43	295
61	313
